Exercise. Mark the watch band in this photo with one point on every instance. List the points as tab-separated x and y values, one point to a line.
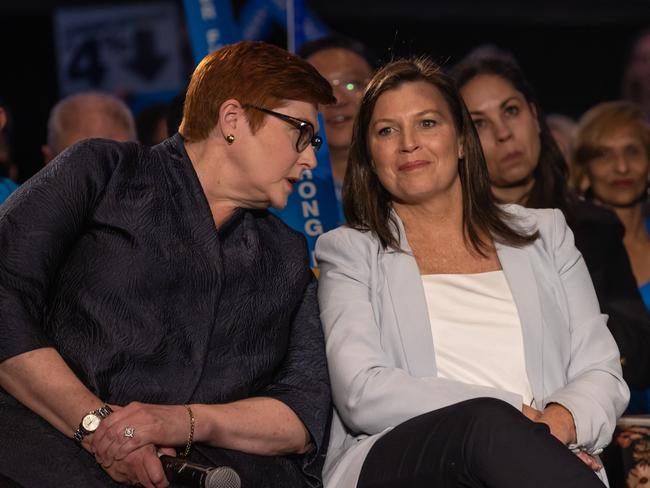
101	412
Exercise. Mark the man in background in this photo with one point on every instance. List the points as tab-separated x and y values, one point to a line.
84	116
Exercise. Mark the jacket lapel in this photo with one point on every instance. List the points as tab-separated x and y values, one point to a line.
409	304
521	279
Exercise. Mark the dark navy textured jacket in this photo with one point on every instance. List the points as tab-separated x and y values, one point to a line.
110	255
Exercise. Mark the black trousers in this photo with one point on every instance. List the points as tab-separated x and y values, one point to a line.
477	443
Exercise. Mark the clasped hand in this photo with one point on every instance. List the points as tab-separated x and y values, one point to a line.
127	443
561	424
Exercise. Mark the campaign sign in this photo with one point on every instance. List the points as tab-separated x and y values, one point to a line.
312	207
122	49
211	25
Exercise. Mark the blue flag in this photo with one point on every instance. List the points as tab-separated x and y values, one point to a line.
211	25
312	207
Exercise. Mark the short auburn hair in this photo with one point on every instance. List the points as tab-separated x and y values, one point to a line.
254	73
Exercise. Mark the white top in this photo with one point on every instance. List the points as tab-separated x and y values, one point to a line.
476	331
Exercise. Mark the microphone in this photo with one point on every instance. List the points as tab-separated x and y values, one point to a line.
192	475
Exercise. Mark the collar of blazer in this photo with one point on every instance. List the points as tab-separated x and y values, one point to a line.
407	295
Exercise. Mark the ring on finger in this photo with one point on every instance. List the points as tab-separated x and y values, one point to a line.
129	431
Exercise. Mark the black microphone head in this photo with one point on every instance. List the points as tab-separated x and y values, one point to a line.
222	477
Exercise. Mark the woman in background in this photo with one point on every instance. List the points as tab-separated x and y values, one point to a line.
527	167
612	154
612	157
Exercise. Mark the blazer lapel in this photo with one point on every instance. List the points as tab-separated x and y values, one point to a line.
521	279
409	303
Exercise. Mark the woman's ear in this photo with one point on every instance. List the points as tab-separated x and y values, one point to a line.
461	148
231	118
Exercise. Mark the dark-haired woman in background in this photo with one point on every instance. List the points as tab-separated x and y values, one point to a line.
527	167
464	340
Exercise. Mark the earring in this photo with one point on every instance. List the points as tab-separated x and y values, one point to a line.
230	138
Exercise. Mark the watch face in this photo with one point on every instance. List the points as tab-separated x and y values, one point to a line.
90	422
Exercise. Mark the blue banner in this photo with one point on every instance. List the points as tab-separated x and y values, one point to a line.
256	20
211	25
308	26
312	208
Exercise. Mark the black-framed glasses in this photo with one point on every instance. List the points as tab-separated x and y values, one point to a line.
306	129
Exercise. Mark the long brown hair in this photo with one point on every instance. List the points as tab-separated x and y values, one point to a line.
367	204
550	189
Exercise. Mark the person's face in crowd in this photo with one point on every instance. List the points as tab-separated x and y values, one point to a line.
638	68
618	174
348	73
100	130
95	126
270	163
507	126
414	143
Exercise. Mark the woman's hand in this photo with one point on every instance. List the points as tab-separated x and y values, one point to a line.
531	413
137	425
560	421
589	460
558	418
141	466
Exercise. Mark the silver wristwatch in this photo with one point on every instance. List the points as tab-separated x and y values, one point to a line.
90	422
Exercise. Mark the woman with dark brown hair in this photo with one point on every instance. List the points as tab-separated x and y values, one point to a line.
526	167
464	341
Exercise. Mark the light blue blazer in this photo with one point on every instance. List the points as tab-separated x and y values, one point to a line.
381	354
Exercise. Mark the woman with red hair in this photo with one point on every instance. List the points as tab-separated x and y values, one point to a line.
150	303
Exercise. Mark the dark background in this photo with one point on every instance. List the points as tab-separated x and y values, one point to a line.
572	50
